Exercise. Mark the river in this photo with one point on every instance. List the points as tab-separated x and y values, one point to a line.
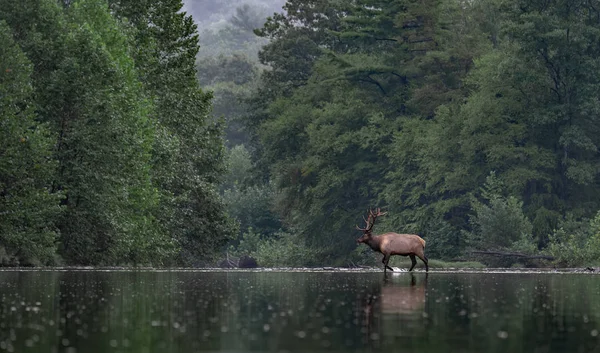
93	311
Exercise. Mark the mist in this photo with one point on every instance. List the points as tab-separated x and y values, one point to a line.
215	14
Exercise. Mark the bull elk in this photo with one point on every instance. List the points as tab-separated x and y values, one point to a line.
389	244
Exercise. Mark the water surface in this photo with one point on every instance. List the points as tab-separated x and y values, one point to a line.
204	311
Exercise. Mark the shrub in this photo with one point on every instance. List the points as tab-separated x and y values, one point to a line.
576	243
279	250
250	205
501	223
442	240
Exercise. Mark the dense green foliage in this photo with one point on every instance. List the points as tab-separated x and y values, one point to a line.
474	123
577	243
188	151
104	97
27	207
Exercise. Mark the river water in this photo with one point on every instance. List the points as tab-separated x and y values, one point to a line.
269	311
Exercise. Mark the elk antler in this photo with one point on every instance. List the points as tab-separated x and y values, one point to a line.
367	221
374	216
370	221
378	213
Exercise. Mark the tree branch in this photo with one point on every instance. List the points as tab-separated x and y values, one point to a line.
371	80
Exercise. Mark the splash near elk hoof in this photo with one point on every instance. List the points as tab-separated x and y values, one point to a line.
389	244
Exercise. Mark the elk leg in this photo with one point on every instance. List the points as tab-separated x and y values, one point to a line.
386	260
414	262
425	261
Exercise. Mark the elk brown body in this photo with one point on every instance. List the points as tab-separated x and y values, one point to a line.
389	244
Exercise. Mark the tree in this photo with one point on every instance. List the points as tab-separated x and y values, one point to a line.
28	208
248	18
248	203
88	92
527	118
232	80
559	41
105	123
187	155
138	161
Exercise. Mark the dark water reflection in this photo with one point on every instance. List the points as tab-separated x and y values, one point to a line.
93	311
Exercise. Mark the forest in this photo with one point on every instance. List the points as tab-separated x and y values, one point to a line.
135	134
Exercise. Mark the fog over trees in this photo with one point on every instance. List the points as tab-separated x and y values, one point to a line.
214	13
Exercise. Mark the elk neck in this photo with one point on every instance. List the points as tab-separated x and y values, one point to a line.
374	242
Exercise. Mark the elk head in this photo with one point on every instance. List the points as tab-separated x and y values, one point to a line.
370	222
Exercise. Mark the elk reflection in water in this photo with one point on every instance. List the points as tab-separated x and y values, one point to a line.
396	307
399	298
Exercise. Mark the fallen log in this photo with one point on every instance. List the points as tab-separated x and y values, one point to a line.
513	254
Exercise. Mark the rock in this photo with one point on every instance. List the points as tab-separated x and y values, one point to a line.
247	262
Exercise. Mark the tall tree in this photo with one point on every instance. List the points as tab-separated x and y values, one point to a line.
89	93
187	156
28	208
558	43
